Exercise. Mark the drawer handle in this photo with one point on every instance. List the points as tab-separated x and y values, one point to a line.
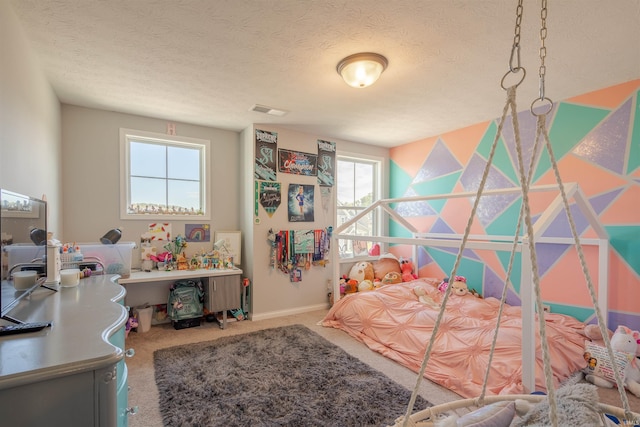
130	353
132	410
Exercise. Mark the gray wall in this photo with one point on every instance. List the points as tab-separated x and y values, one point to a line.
30	150
91	177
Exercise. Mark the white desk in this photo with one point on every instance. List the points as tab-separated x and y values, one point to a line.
223	287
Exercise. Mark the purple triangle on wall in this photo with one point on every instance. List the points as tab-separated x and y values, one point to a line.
606	145
440	162
601	202
548	255
559	227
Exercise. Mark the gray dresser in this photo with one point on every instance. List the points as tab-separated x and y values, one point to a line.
74	373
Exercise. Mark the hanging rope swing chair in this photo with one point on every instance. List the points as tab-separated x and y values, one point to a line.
435	415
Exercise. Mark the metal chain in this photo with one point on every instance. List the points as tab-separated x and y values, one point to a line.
542	99
543	49
515	50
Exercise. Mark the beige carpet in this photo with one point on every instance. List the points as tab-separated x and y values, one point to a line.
144	394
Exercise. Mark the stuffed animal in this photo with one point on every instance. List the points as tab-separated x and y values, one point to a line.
392	278
343	285
406	266
595	335
627	341
132	323
458	287
351	286
424	298
362	270
365	285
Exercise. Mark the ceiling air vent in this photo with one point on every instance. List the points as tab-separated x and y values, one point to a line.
268	110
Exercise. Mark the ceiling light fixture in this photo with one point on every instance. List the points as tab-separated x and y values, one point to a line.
362	69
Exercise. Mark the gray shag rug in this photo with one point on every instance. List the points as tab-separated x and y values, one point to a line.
288	376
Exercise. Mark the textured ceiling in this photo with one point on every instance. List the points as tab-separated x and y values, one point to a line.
208	62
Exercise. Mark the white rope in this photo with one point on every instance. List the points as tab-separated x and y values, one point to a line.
548	372
467	231
541	130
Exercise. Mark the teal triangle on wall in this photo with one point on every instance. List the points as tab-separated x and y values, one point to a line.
502	162
505	223
484	146
398	230
626	241
571	124
580	313
399	180
516	270
441	185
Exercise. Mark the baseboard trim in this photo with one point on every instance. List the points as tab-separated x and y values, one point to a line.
289	312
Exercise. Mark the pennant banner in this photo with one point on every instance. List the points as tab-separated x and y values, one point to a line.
270	196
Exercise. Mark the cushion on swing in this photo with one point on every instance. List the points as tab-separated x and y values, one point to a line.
499	414
576	404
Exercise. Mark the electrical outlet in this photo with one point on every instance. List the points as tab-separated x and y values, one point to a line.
546	308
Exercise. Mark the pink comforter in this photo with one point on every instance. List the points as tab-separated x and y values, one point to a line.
393	322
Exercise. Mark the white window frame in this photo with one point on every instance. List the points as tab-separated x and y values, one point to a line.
203	145
379	190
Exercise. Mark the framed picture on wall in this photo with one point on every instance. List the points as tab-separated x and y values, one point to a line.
230	241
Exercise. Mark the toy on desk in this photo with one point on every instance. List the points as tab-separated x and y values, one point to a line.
147	251
183	264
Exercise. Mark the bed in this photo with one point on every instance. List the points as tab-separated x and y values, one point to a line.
391	321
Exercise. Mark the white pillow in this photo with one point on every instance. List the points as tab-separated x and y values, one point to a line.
498	414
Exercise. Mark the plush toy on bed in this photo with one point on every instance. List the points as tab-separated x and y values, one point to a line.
391	278
627	341
425	298
360	271
406	265
458	286
350	285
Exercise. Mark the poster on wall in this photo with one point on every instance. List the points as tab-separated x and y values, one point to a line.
326	163
265	161
159	231
197	232
297	163
270	196
300	203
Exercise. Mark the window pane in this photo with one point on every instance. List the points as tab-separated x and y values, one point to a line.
148	191
165	175
148	160
364	184
185	194
357	182
184	163
346	183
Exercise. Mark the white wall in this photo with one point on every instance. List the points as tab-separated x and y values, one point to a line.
90	175
273	294
29	121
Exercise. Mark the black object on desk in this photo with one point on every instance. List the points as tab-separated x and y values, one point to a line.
23	328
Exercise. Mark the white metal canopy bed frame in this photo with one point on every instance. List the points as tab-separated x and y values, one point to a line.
495	243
